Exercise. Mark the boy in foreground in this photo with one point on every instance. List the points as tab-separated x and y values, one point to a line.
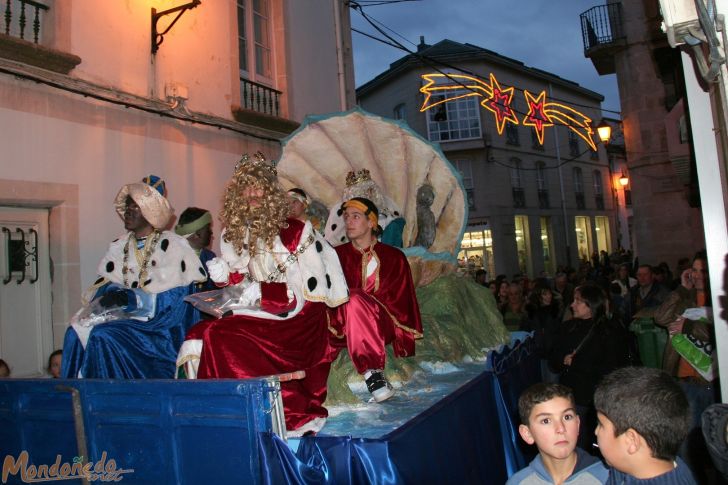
643	416
549	419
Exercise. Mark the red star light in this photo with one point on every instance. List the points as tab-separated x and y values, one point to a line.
499	103
537	117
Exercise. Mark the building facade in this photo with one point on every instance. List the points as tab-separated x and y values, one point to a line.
534	204
625	38
86	105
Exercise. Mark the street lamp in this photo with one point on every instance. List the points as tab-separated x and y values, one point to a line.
604	130
623	179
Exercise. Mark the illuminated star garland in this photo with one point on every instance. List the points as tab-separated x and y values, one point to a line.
536	116
541	114
499	104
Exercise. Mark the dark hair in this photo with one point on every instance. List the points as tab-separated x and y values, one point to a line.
4	364
299	192
538	393
646	266
371	208
648	401
702	255
191	214
50	358
540	286
595	298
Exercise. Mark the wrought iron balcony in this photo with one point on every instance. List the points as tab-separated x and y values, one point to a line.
23	19
519	197
260	98
543	199
603	35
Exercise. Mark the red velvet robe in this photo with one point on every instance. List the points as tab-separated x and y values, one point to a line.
241	346
382	308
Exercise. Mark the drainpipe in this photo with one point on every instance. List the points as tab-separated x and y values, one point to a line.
340	71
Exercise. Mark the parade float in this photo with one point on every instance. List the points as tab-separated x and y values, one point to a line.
422	209
455	406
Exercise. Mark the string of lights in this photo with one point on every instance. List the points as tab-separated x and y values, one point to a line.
430	61
435	63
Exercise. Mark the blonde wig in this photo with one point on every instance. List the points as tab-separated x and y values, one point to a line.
253	225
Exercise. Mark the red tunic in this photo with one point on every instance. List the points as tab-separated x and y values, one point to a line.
382	308
241	346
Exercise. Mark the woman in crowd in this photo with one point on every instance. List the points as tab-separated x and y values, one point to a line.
543	320
587	348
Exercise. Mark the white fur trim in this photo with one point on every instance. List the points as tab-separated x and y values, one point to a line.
173	263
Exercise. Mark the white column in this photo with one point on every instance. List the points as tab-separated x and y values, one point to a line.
712	182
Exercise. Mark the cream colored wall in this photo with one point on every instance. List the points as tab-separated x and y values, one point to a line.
63	138
113	41
200	51
312	58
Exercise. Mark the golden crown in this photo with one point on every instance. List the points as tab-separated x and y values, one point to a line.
257	160
354	178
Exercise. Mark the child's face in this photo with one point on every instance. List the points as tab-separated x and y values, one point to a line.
55	368
553	426
611	447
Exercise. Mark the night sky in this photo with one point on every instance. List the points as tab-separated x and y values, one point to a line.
545	34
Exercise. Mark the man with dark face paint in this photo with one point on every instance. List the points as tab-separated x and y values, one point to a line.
136	304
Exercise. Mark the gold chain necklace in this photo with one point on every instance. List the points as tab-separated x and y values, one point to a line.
143	261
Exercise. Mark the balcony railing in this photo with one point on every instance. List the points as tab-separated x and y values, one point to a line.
519	197
23	19
599	201
601	25
543	199
580	202
260	98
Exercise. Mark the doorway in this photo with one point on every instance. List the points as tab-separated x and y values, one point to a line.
26	330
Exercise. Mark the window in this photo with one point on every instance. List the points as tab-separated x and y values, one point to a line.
477	249
573	144
548	261
601	225
541	184
534	141
516	181
519	198
466	171
400	112
598	191
254	40
523	246
594	154
454	120
582	227
579	188
512	134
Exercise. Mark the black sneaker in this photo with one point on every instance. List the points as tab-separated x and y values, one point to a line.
378	386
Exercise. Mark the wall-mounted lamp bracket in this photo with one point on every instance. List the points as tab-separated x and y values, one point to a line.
158	37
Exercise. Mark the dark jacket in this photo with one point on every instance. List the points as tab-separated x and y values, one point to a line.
652	299
543	321
606	348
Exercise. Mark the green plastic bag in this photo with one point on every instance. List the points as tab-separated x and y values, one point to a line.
697	353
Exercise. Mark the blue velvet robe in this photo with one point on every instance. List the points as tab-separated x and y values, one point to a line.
132	349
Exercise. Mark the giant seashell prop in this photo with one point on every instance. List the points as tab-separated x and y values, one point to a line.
318	156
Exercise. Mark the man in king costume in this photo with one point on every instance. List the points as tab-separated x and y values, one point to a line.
284	275
382	305
135	319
